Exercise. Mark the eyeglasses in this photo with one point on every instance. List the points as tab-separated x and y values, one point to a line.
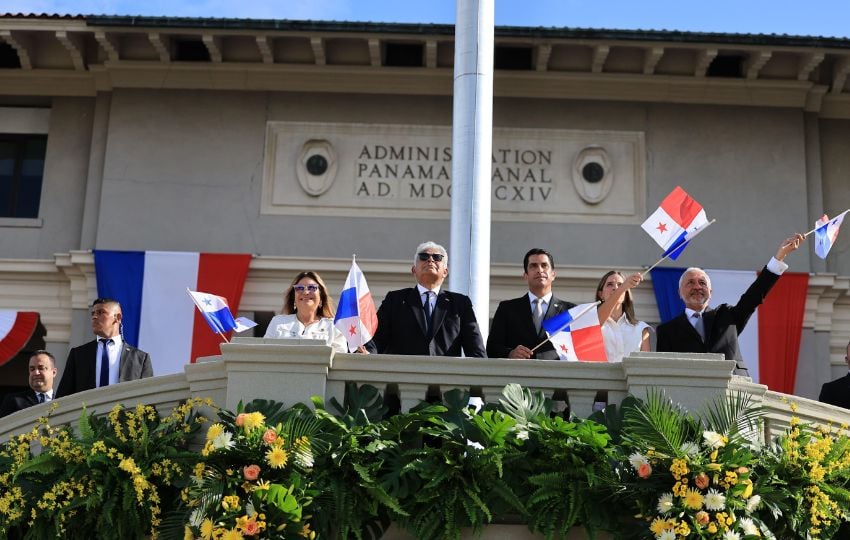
302	288
436	257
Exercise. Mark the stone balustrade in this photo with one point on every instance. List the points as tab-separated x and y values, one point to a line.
292	371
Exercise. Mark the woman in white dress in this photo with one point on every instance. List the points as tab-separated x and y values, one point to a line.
308	313
621	331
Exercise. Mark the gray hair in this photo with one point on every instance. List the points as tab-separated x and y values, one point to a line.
431	245
693	269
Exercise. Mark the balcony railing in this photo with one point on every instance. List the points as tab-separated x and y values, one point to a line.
292	371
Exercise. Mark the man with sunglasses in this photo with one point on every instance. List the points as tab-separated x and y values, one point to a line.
517	324
425	319
106	360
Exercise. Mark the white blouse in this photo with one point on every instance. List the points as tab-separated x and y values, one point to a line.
288	326
622	337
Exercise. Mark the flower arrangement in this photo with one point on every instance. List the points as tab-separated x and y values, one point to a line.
254	481
111	479
645	469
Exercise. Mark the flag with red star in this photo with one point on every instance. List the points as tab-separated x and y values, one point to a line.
576	334
356	316
670	225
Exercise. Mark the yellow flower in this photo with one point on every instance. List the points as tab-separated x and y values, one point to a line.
187	533
712	528
660	525
277	457
230	502
207	528
232	534
214	431
748	491
693	499
253	420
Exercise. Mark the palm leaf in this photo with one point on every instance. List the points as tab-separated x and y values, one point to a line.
657	423
733	415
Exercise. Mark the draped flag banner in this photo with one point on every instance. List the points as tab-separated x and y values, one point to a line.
678	215
158	317
576	334
217	313
770	343
356	316
16	329
826	232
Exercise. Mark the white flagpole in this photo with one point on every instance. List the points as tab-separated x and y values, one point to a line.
189	292
577	317
664	258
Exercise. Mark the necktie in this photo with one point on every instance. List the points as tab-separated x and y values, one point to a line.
538	313
427	306
699	325
41	397
104	364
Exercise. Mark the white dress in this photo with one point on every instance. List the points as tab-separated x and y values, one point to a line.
622	337
288	326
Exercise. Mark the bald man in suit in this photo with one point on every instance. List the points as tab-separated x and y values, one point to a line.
42	371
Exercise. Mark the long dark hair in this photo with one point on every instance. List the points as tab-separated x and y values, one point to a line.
628	304
326	303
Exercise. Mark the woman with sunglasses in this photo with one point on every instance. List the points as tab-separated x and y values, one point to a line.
621	331
308	313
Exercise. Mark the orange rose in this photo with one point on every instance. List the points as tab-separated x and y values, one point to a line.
645	470
701	480
743	470
702	517
240	419
251	472
251	528
270	436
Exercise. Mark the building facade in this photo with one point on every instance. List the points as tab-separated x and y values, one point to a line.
306	142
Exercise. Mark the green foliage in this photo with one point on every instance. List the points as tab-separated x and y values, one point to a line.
643	469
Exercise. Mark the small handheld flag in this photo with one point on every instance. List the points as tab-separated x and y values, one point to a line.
669	225
355	316
826	232
217	313
576	334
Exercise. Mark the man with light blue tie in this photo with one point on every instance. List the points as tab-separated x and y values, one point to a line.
107	359
42	371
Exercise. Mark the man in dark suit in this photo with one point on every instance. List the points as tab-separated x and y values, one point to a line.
42	371
107	359
703	330
426	320
837	392
516	327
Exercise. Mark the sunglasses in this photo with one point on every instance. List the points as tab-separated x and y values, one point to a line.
436	257
302	288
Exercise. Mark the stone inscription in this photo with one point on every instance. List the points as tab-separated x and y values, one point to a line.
406	171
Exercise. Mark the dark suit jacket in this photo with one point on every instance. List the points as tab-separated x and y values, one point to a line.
722	325
836	392
513	325
80	369
401	326
18	401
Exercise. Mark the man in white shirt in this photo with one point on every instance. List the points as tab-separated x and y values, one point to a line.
701	329
107	359
42	371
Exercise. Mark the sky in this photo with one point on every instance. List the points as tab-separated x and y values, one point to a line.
828	18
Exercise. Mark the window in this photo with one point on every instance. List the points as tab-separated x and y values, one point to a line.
21	169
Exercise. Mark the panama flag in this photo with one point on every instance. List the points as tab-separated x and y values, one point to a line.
16	329
826	231
355	316
674	223
217	313
576	334
158	316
